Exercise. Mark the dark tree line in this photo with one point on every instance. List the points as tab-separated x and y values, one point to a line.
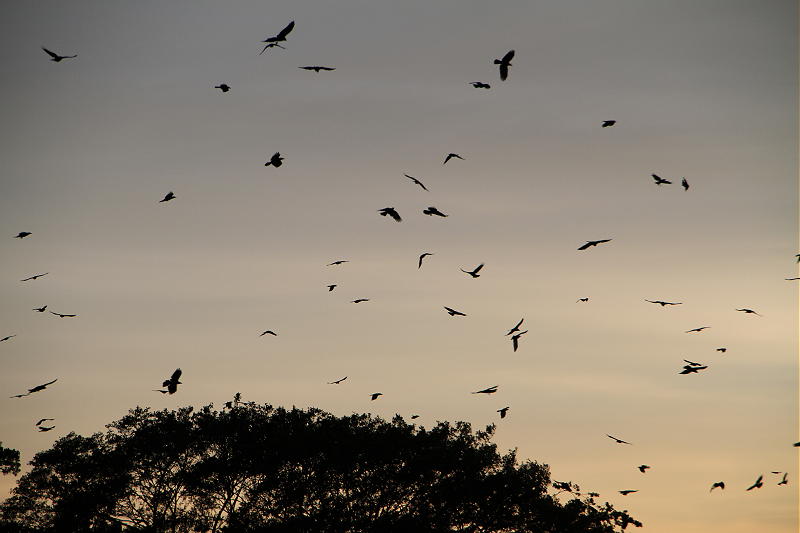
252	468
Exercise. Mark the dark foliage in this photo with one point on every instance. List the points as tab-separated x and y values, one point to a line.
263	469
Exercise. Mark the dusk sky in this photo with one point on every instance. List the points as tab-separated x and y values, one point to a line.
701	89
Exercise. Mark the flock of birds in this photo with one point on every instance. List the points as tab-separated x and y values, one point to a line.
170	385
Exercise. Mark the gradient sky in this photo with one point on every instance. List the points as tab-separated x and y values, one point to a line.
705	89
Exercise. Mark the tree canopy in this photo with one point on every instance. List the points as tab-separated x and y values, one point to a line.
257	468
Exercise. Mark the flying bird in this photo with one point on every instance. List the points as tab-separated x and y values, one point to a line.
421	257
692	363
415	180
169	196
749	312
660	181
662	303
453	312
316	68
608	123
589	244
224	87
785	480
39	309
791	279
39	423
7	337
504	64
480	85
723	350
276	160
643	468
22	234
684	184
618	441
474	272
450	156
692	369
503	412
338	381
37	276
374	396
433	211
515	339
697	330
62	315
626	492
758	484
339	262
331	287
516	328
172	383
582	300
55	57
359	300
281	37
414	417
720	484
38	388
268	332
488	390
46	428
390	211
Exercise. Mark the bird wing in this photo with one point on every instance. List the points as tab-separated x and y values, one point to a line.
503	71
285	31
477	268
176	375
508	57
446	159
50	53
587	245
515	341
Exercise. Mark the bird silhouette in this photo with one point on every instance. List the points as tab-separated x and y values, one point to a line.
791	279
660	181
515	339
785	480
643	468
626	492
317	68
41	387
503	412
684	184
224	87
720	484
172	383
749	312
276	160
516	328
582	300
339	262
692	369
392	212
488	390
55	57
62	315
39	423
169	196
7	337
414	417
697	330
421	257
45	428
268	332
331	287
39	309
22	234
504	63
415	180
433	211
758	484
474	272
453	312
338	381
723	350
608	123
37	276
374	396
281	37
618	441
450	156
692	363
662	303
480	85
589	244
359	300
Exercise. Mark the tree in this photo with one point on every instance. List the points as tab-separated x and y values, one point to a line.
9	460
252	468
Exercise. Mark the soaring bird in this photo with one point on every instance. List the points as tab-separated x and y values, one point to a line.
359	300
7	337
374	396
39	309
488	390
169	196
608	123
643	468
339	262
268	332
415	180
749	312
684	184
453	312
338	381
662	303
758	484
589	244
720	484
582	300
414	417
785	480
626	492
660	181
224	87
281	37
421	257
516	328
692	369
331	287
62	315
37	276
450	156
46	428
618	441
39	423
276	160
480	85
723	350
316	68
433	211
172	383
41	387
55	57
504	64
22	234
697	330
390	211
503	412
515	339
474	272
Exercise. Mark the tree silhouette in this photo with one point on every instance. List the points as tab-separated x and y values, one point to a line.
257	468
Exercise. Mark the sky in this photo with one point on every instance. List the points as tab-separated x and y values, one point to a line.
701	89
